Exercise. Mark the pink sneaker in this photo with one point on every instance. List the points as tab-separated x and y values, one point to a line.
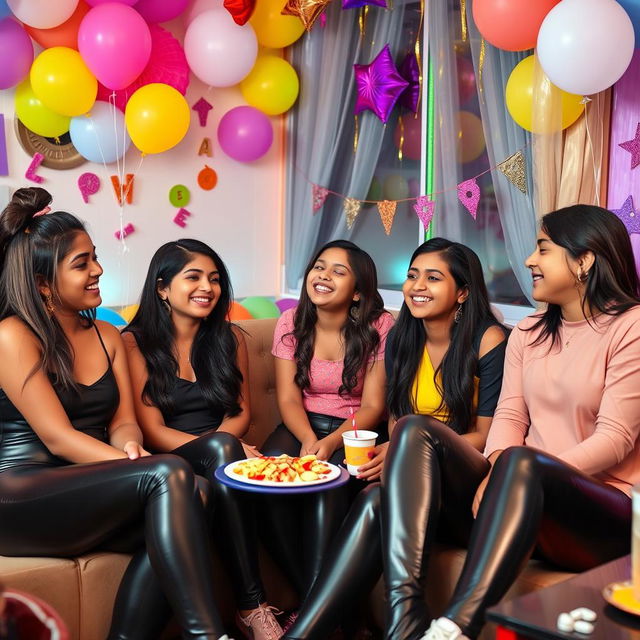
260	625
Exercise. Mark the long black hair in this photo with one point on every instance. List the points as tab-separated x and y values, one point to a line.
460	362
213	353
361	339
612	285
32	246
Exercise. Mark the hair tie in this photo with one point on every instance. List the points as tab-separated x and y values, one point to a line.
42	212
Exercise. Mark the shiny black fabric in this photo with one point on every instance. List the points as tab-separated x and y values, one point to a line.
191	412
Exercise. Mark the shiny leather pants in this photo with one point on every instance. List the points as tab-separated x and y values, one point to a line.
232	513
69	510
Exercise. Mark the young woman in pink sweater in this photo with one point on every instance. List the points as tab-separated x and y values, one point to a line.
562	449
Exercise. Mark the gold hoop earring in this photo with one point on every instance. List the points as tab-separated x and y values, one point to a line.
48	304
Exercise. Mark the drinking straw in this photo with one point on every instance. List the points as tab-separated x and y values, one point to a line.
353	422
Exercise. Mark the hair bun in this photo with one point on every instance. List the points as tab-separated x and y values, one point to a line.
24	205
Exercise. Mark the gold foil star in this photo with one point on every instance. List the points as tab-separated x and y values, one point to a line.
306	10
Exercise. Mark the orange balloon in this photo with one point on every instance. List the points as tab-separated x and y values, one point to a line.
238	312
65	34
207	178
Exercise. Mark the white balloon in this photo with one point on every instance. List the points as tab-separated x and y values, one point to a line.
43	14
584	46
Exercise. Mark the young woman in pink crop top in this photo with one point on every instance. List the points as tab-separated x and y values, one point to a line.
329	361
563	446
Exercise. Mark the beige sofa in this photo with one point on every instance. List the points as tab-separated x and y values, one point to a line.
83	589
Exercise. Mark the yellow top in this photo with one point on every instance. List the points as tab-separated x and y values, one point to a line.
426	397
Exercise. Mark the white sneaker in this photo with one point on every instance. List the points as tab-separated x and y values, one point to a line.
443	629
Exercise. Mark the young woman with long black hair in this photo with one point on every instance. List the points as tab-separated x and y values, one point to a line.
189	369
444	361
73	474
562	452
328	352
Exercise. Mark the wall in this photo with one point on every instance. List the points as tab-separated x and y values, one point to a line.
241	218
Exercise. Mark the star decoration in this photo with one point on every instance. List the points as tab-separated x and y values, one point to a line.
307	10
379	85
356	4
633	147
240	10
410	71
629	216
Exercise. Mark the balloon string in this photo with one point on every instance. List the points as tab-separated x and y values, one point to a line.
463	19
596	170
483	53
418	57
355	135
401	145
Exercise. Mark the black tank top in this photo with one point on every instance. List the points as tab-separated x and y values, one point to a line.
89	411
191	413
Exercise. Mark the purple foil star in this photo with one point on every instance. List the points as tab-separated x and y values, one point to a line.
355	4
379	85
629	216
410	71
633	147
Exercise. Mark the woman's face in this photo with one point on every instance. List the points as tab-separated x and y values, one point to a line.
77	277
331	283
553	271
195	290
430	291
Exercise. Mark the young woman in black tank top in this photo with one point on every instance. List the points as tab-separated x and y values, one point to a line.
189	372
74	476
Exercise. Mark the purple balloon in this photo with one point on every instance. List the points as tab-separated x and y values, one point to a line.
161	10
95	3
16	53
410	71
286	303
245	134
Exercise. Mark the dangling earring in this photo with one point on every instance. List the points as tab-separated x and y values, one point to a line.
458	313
581	276
354	312
48	304
166	305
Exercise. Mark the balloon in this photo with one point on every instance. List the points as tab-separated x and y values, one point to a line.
220	52
511	24
95	3
157	117
471	142
167	65
286	303
466	78
260	307
198	7
537	105
65	34
4	9
411	128
115	42
43	14
271	86
160	10
35	116
375	190
109	315
395	187
238	312
61	79
100	136
240	10
128	312
414	187
632	7
272	29
584	46
245	134
16	53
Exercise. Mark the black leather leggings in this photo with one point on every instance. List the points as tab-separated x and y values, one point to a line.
69	510
233	515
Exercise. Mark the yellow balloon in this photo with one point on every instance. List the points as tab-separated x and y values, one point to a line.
272	28
157	117
271	86
35	116
128	312
63	82
536	104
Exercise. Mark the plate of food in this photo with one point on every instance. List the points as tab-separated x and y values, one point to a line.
282	471
620	595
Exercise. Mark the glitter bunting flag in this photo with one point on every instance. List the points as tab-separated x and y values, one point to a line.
319	195
387	210
351	210
469	196
514	169
424	210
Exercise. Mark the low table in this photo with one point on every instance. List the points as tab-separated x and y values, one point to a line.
535	615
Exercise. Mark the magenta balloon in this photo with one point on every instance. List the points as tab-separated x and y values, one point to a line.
286	303
16	53
466	78
245	134
115	42
161	10
95	3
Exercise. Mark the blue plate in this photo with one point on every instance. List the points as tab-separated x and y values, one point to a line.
222	477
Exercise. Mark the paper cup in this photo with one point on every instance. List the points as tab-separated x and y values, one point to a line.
356	450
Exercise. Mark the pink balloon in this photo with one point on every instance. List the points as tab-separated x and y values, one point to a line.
161	10
200	6
412	132
95	3
115	42
16	53
245	134
286	303
466	78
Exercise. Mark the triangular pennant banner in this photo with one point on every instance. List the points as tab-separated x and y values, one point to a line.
514	168
387	209
319	196
469	196
351	210
424	210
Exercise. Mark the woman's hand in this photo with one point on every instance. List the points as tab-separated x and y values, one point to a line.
373	469
307	445
249	450
324	448
134	450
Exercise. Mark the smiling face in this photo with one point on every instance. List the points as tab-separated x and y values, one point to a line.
194	290
430	291
77	275
331	283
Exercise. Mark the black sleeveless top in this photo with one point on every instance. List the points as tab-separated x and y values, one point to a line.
89	411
